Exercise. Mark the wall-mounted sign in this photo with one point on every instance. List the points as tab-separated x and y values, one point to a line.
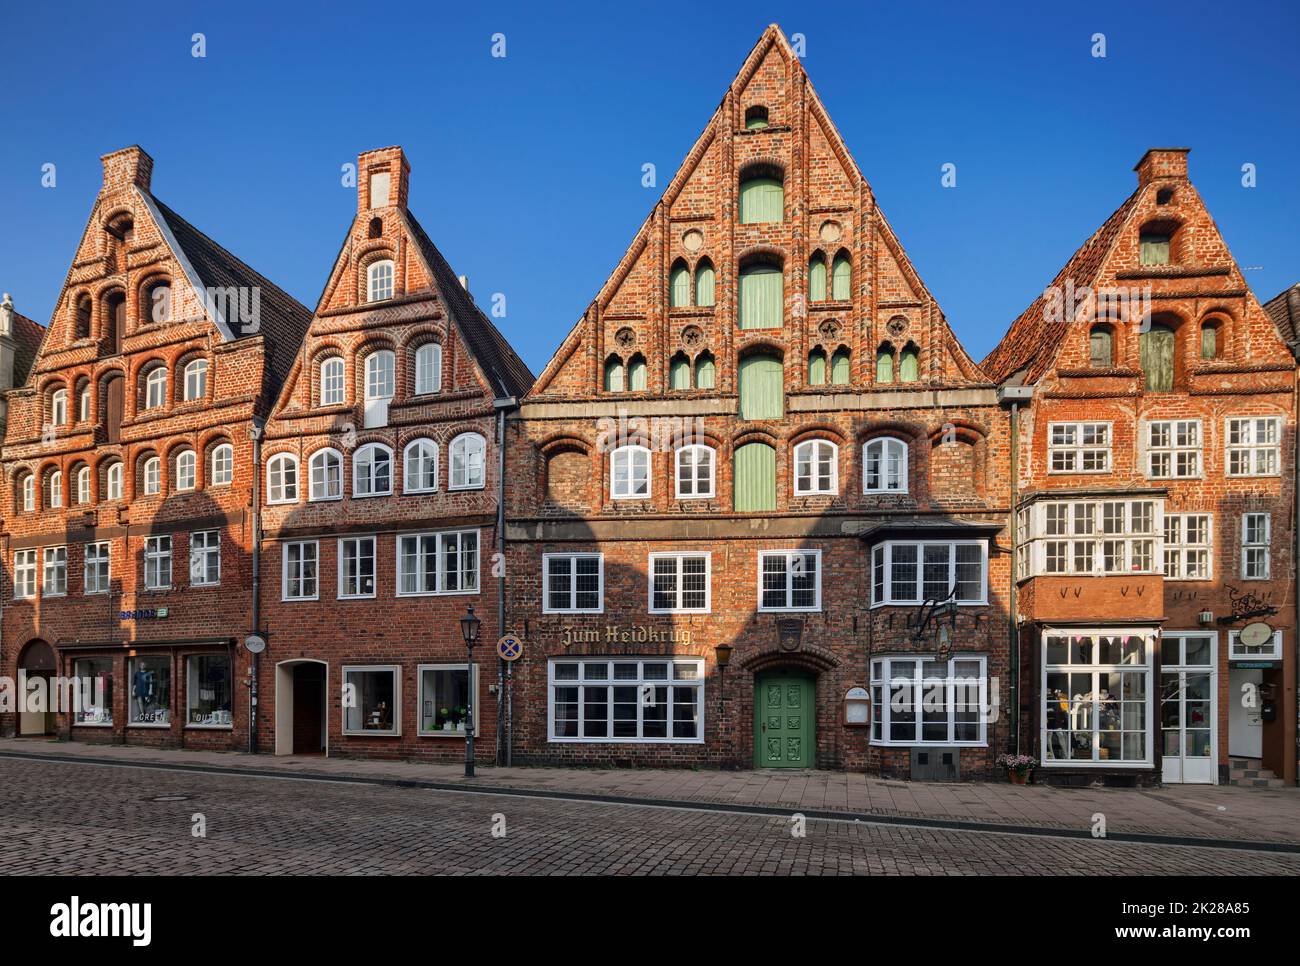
631	634
144	614
857	707
1255	634
789	632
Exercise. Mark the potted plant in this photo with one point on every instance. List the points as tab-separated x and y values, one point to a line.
461	714
447	723
1019	767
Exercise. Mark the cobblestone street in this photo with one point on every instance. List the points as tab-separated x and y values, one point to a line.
86	819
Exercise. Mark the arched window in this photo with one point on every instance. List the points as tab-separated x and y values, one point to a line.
113	481
762	389
282	479
817	278
841	278
379	281
467	453
1157	346
1101	347
1154	244
26	493
59	407
156	302
817	367
81	483
679	372
221	465
884	466
372	471
705	283
762	200
629	473
816	469
695	472
325	471
151	476
762	297
54	490
83	401
614	376
196	379
705	371
376	228
885	364
155	387
420	464
840	367
909	364
186	470
754	485
679	285
81	318
428	369
379	388
755	118
636	373
1211	339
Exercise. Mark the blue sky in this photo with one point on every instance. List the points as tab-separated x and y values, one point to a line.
527	170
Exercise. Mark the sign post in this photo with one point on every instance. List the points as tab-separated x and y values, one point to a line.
510	648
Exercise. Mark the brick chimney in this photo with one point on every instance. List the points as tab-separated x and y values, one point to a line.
1162	164
8	350
127	167
383	177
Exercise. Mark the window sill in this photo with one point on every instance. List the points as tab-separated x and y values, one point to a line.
203	727
92	724
298	600
437	593
624	741
148	727
881	743
439	733
372	734
1088	763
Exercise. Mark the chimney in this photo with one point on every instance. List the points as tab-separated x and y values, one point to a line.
127	167
1162	164
8	351
7	317
383	177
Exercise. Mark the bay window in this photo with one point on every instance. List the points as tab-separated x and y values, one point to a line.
1093	537
912	572
917	700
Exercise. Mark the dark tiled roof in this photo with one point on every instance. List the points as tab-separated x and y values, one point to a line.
28	335
284	320
1284	310
1030	344
499	361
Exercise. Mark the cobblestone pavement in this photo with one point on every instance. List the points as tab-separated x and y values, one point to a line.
93	819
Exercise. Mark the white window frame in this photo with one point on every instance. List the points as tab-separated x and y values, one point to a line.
285	564
155	554
95	566
1084	522
882	555
344	555
155	388
809	485
151	476
1274	653
440	572
572	560
54	572
221	465
882	695
886	479
789	555
333	381
1249	446
381	279
1182	550
195	386
201	552
187	470
462	449
697	684
54	490
680	558
380	387
82	484
409	452
396	730
83	403
279	491
113	477
25	575
428	369
322	494
1174	450
690	476
29	493
474	697
59	407
1256	546
362	458
1077	449
632	453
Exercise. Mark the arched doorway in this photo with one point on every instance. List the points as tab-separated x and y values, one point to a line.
300	708
37	663
785	716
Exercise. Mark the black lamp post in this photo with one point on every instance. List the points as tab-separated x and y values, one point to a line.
469	626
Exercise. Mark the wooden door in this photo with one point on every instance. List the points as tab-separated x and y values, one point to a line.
784	709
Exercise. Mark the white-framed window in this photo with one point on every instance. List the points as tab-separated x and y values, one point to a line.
629	473
301	572
59	407
372	471
379	388
282	479
626	700
918	700
379	281
1256	539
97	574
221	465
790	580
333	387
113	477
326	470
1097	697
467	454
356	567
205	558
437	563
29	493
196	379
420	466
696	465
151	473
1270	650
24	574
884	465
83	403
1174	449
186	470
55	581
575	583
1253	446
158	562
911	572
680	583
54	491
376	705
446	700
155	388
82	483
816	468
428	369
1094	537
1078	447
1189	546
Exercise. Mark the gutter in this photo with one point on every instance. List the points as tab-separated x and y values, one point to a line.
1015	395
505	670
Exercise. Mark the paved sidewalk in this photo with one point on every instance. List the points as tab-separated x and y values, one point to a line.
1183	811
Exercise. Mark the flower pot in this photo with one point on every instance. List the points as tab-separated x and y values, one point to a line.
1018	777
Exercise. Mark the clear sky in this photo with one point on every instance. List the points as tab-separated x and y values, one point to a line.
526	170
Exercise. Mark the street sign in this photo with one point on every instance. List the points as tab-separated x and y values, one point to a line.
510	648
255	643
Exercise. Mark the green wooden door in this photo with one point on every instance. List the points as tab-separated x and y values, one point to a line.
784	709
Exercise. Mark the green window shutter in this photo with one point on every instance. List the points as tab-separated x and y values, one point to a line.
679	286
679	373
1209	342
1154	249
704	372
1100	349
762	297
636	374
755	478
1157	352
841	274
614	375
817	368
761	200
909	364
840	367
762	389
704	284
884	366
817	279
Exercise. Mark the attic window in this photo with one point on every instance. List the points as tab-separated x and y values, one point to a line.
379	281
121	228
756	118
376	228
1165	196
379	189
1154	247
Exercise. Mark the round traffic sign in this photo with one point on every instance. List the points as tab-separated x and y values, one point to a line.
510	648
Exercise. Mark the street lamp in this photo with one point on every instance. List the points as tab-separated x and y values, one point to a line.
469	626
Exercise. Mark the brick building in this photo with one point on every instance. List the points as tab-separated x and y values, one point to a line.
755	456
1154	506
128	476
381	497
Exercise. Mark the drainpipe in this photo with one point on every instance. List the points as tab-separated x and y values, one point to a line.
1015	395
505	669
1293	301
255	434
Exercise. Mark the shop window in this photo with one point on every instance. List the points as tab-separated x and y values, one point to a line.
208	691
1097	707
150	680
94	679
374	705
630	700
446	700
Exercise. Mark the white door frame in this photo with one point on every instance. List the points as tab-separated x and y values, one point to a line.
1182	670
284	704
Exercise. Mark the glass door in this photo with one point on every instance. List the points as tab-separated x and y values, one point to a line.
1188	706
